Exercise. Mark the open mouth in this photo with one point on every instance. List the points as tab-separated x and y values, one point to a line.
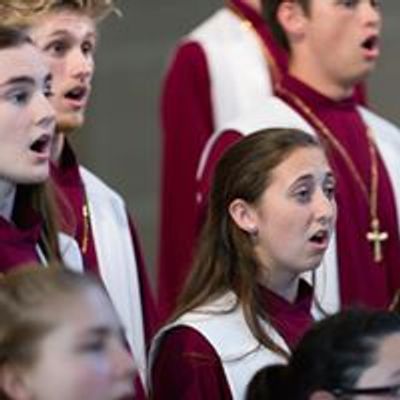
76	94
371	43
41	144
320	237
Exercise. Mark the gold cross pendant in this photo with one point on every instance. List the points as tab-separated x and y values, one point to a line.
377	237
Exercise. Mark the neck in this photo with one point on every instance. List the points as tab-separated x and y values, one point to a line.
7	197
316	79
58	145
285	285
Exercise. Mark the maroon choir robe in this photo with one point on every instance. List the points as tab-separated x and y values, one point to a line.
187	123
69	183
361	280
19	239
187	366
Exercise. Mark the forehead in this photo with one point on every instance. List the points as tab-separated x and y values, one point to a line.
389	350
67	22
301	161
386	368
86	309
24	60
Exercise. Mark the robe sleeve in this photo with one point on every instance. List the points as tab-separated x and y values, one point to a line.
187	368
150	312
187	123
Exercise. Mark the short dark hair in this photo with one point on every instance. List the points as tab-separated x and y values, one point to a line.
270	10
330	357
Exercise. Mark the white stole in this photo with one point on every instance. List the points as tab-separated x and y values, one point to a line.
117	261
70	253
239	74
240	353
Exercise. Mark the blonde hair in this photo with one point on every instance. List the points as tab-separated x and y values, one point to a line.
23	13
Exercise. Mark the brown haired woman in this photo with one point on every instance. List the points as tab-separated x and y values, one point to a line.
28	229
271	214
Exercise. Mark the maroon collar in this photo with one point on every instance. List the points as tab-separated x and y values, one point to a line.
67	172
291	320
18	241
316	99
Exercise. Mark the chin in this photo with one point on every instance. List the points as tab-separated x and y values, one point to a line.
38	178
69	123
314	264
361	75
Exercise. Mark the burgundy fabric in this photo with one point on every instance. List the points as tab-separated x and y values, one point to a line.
150	312
18	240
362	281
224	141
188	368
360	94
69	181
187	123
291	320
71	196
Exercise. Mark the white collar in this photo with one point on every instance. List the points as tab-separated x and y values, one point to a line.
7	197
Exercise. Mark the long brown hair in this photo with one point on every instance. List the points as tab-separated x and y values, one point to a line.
225	259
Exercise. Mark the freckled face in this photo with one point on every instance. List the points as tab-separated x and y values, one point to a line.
68	40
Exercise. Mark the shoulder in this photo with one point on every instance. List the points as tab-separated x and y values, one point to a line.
189	343
187	367
272	113
215	26
188	51
192	48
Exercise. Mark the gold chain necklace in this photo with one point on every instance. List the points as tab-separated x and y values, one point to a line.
86	225
375	235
